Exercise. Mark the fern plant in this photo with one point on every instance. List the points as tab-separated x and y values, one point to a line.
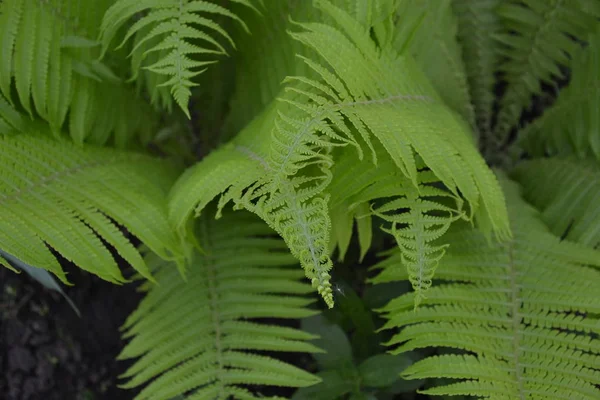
346	127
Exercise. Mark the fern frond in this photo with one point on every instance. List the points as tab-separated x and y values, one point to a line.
54	194
571	125
198	337
384	96
378	99
48	56
176	27
525	311
477	25
567	193
418	215
537	41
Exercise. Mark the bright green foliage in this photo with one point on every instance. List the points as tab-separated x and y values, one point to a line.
171	29
477	23
418	215
567	193
198	337
536	42
70	199
331	116
523	310
49	53
288	144
572	124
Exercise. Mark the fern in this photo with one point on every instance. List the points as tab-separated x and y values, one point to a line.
175	25
418	215
198	337
57	196
523	311
542	43
567	193
570	126
50	58
289	143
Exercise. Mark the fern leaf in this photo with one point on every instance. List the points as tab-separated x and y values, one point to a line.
53	66
477	25
566	191
292	141
198	337
512	307
71	199
177	26
542	44
572	124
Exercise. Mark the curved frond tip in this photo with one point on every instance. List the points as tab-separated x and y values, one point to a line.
183	33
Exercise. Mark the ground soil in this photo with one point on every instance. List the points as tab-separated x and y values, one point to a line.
48	352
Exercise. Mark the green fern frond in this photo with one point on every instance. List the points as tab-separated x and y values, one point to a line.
60	196
538	40
477	25
418	215
384	96
198	337
567	193
52	64
525	311
379	99
572	124
175	26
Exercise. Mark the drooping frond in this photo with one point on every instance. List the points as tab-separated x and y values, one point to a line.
50	58
537	40
567	192
70	199
572	124
198	337
477	25
434	45
179	30
289	144
524	312
418	215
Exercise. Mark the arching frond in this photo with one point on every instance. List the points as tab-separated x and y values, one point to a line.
199	337
49	55
537	40
567	193
291	141
179	31
74	200
572	124
524	312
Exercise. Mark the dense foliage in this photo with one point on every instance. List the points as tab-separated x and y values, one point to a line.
376	142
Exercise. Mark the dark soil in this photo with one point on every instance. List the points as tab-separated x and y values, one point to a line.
48	352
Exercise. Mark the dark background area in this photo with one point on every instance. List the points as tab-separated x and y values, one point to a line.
48	352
